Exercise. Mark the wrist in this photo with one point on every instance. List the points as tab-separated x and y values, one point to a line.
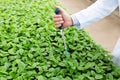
75	21
71	21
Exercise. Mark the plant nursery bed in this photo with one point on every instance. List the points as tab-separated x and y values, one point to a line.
32	49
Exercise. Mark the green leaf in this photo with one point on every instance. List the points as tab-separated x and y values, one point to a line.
98	76
21	65
89	65
11	51
40	77
30	55
3	78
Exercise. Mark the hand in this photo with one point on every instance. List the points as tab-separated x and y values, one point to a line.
63	18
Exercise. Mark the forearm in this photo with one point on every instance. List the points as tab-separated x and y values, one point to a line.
94	13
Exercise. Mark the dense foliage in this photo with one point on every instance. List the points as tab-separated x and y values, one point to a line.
32	49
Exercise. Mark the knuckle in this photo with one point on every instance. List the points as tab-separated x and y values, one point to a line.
57	26
60	19
57	23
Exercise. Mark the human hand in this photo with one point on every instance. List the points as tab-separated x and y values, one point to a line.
63	18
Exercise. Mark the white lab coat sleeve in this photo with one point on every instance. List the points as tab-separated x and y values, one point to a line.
94	13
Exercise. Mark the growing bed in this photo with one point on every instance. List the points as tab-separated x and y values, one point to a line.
32	49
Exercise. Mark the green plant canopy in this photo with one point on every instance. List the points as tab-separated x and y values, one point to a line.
32	49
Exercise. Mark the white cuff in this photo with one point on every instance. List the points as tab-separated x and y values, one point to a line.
75	22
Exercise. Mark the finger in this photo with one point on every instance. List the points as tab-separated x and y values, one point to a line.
58	19
58	23
57	16
57	26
